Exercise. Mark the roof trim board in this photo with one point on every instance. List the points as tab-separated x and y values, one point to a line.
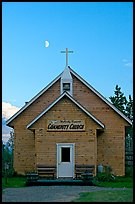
84	82
33	99
74	101
102	97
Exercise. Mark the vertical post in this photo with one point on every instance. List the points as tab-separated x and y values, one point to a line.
66	55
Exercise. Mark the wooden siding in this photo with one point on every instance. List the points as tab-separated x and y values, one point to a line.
85	148
91	147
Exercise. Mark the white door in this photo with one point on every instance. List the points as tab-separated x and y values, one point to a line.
65	160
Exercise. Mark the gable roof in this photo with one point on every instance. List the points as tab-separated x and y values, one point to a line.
74	101
102	97
84	82
33	99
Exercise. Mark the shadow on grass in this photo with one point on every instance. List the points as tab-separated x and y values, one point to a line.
106	196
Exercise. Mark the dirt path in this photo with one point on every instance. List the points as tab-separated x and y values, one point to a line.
48	193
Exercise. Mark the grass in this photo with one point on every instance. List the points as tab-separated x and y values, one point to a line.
120	182
97	196
19	181
106	196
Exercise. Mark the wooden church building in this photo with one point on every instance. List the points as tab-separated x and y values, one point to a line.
69	123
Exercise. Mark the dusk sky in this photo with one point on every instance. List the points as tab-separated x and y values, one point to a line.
99	34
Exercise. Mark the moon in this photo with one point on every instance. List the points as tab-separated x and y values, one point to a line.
46	43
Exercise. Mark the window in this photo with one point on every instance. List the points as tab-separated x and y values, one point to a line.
66	86
65	154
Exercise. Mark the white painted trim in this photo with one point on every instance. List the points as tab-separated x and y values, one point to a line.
33	99
66	78
100	96
71	86
84	82
72	99
57	158
73	155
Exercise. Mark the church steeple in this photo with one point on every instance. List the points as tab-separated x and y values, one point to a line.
66	78
66	81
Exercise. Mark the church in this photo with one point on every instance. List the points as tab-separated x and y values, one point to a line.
69	123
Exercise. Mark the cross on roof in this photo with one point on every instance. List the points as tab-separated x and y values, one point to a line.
66	55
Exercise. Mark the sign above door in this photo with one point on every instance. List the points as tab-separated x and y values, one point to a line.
66	125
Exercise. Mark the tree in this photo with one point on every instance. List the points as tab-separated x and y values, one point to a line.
7	155
126	107
129	108
119	100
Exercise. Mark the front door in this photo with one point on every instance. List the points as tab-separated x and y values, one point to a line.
65	160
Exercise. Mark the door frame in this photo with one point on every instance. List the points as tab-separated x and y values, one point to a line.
71	145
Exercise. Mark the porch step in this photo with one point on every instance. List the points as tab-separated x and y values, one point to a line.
65	178
43	182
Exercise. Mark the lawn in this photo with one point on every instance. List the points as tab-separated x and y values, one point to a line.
120	182
14	182
97	196
106	196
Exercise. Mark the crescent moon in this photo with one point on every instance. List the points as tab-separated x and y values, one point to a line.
46	43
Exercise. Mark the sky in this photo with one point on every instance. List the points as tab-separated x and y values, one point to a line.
100	34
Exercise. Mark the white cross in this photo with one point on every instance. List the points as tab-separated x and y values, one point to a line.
66	55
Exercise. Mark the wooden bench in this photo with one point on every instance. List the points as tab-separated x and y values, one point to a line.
31	176
82	169
46	170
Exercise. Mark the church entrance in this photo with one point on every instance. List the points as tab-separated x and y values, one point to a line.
65	160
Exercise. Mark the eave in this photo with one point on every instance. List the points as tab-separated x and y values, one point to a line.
75	102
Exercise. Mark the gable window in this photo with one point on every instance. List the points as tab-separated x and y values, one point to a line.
66	81
66	86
